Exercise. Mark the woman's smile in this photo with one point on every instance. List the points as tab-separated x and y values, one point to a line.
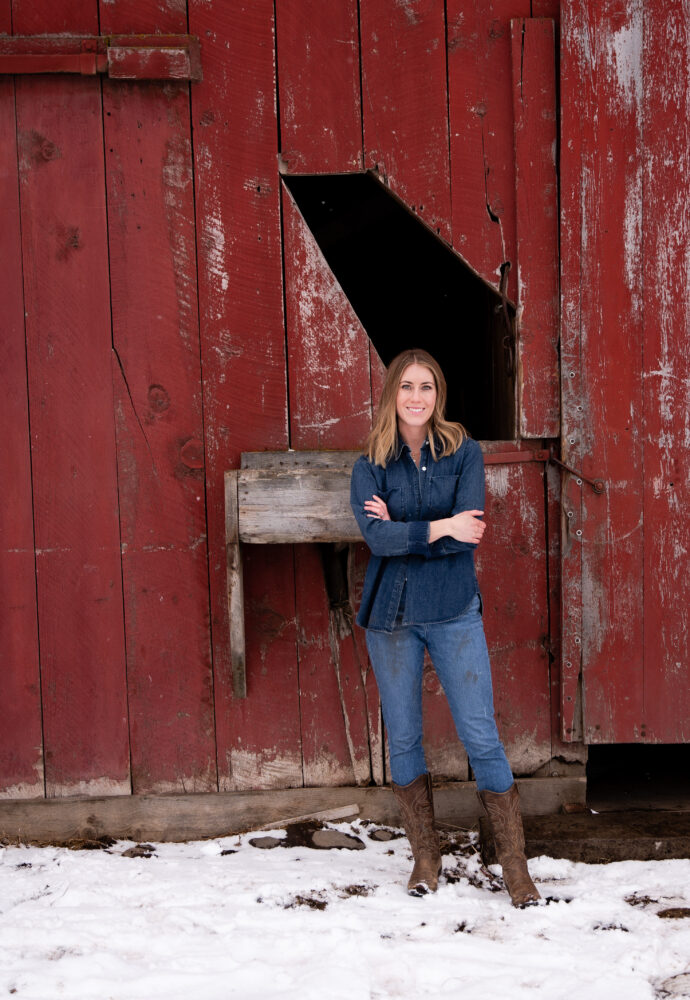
416	397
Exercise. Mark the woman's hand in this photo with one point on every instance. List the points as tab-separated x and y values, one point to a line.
376	507
465	526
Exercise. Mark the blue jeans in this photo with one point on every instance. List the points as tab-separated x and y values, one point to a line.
461	660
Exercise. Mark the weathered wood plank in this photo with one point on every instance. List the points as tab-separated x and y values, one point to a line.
327	347
536	199
21	738
516	617
330	406
243	363
65	259
296	506
192	817
326	755
235	587
666	280
157	379
320	112
481	135
571	173
405	104
606	433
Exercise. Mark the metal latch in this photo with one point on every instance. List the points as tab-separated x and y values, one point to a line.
120	57
598	485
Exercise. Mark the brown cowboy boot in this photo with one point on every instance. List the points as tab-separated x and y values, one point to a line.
417	810
503	810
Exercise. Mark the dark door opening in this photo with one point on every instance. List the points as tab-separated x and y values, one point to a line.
410	289
638	776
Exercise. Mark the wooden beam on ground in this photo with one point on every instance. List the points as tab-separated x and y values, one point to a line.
205	815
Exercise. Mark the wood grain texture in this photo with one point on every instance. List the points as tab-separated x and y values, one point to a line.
326	755
666	276
513	552
571	263
327	347
235	583
536	201
244	371
330	407
296	506
482	155
603	416
73	441
318	77
21	738
405	104
158	407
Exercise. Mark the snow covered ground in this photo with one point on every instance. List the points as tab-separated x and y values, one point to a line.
223	919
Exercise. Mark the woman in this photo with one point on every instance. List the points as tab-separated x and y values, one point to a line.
418	496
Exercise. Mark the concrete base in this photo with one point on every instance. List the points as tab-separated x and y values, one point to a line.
195	817
602	838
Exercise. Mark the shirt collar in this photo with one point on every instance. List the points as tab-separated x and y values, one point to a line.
400	446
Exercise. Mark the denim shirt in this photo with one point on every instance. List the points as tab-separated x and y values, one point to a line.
439	579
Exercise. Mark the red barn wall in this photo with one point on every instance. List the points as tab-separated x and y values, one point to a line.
166	308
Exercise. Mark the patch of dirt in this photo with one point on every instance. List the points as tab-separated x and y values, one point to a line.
637	900
314	902
674	913
355	890
611	927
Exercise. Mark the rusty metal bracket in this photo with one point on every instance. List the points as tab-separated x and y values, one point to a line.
598	485
120	57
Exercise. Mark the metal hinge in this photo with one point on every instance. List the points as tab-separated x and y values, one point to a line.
120	57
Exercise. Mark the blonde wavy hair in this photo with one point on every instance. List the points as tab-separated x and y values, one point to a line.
382	440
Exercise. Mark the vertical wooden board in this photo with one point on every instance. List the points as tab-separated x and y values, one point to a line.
572	82
328	349
667	373
264	749
320	112
21	754
330	407
244	372
536	199
157	379
605	438
357	563
405	104
325	754
482	156
516	616
66	290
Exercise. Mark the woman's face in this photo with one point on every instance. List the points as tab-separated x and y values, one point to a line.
416	398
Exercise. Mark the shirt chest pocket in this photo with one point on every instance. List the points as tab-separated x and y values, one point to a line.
394	500
442	494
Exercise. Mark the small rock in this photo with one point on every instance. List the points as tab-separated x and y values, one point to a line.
266	843
383	835
139	851
329	839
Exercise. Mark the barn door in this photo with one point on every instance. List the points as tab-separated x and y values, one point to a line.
624	174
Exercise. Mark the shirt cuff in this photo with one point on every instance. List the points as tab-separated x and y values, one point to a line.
418	538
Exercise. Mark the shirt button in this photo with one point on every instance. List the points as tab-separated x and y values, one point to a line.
424	468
